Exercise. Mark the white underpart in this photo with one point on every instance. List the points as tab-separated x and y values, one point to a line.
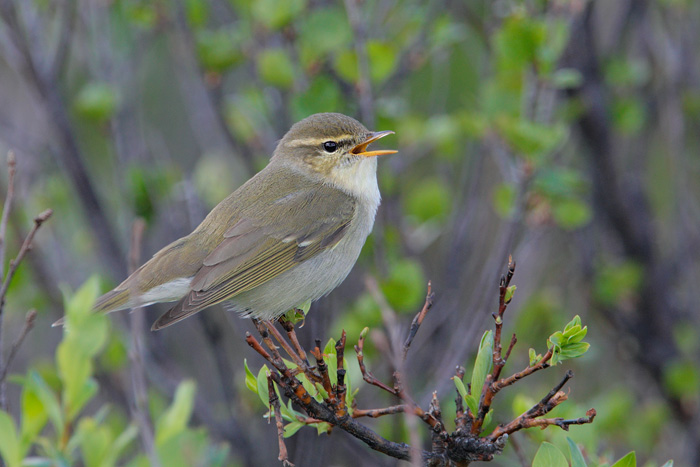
168	292
359	178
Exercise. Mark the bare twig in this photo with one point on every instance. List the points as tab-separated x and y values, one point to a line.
275	407
28	325
418	320
11	170
26	246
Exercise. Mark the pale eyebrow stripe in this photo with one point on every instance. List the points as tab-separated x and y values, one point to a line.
316	141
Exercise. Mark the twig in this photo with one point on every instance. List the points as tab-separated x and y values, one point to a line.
275	406
375	413
418	320
26	246
137	353
28	325
11	170
340	388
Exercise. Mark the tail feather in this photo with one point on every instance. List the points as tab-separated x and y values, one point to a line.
113	301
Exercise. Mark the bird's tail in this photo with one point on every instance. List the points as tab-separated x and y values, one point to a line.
117	299
113	300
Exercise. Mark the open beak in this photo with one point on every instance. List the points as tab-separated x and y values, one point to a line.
361	149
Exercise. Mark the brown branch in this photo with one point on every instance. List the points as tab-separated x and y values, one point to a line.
11	171
418	320
340	388
366	375
275	406
375	413
28	325
26	246
323	371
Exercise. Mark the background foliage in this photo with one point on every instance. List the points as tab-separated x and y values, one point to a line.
562	131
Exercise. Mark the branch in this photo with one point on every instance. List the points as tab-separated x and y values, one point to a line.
28	325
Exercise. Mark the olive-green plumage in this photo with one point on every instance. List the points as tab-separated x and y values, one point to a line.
289	235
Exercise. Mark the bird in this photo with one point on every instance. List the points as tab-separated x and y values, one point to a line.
286	237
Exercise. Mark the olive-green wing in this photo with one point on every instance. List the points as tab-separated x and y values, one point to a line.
262	245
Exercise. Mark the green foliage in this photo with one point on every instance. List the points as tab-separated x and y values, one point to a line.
96	102
276	68
548	455
404	288
567	344
60	396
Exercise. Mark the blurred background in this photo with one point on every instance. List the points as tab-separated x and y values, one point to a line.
563	132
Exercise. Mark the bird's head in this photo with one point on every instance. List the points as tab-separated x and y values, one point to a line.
332	146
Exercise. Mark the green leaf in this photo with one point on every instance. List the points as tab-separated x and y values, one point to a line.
577	459
317	39
96	101
428	200
34	415
250	380
345	64
383	59
322	95
459	384
48	399
219	50
531	139
176	417
291	428
9	441
277	13
629	460
549	455
472	403
404	288
567	78
504	197
571	214
263	388
568	351
482	365
533	356
275	67
510	291
614	283
197	12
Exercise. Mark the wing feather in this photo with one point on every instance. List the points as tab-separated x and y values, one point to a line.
255	250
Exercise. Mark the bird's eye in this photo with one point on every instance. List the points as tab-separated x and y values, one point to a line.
330	146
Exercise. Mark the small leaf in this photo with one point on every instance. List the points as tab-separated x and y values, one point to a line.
510	291
276	68
263	389
571	214
291	428
96	101
482	365
9	441
460	386
534	358
549	455
577	459
504	197
175	419
567	78
250	380
629	460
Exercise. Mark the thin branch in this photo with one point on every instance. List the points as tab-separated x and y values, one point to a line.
28	325
26	246
418	320
11	170
275	407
